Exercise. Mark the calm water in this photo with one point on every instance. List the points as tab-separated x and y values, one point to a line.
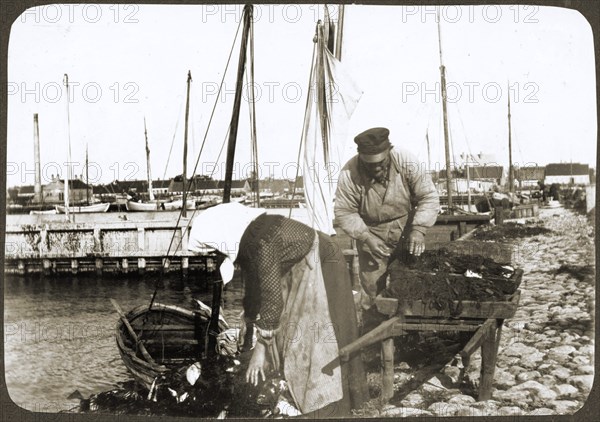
59	332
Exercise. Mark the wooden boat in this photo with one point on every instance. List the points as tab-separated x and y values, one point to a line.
143	206
178	204
166	337
101	207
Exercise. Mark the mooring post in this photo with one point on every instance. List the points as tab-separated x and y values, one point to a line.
499	215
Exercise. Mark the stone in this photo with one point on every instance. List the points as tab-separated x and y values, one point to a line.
433	385
462	399
547	380
503	379
412	400
580	360
583	382
532	360
561	354
515	370
469	411
542	411
452	372
529	375
512	396
586	369
404	412
561	373
403	366
566	391
518	350
541	391
444	409
566	407
510	411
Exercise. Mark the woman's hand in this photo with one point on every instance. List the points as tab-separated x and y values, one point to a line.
256	365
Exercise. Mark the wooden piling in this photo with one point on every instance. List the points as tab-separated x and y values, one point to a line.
99	266
141	265
21	268
125	265
47	266
185	264
74	266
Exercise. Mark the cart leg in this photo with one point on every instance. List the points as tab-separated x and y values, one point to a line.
387	375
489	353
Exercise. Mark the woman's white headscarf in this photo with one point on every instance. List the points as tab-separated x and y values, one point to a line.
221	227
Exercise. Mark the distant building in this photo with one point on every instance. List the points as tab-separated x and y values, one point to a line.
54	192
567	174
529	176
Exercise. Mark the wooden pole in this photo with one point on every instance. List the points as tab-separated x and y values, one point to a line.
511	183
149	173
445	115
36	153
66	191
235	117
185	136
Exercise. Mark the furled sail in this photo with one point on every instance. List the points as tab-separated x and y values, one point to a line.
332	98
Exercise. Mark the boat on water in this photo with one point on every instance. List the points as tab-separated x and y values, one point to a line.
153	341
80	209
143	206
177	204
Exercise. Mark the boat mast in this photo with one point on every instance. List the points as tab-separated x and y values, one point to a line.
340	33
87	186
38	197
511	183
445	114
66	191
150	193
468	184
233	126
185	135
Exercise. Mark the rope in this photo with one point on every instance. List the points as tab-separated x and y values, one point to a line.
160	278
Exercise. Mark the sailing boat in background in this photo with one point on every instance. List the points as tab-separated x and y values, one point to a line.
76	209
152	204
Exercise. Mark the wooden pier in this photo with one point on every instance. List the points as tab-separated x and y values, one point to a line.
115	247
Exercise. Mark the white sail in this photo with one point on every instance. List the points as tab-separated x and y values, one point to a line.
332	99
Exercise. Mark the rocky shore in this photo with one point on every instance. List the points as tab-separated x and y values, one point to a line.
545	361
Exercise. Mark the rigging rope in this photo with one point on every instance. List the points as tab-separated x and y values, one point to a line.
159	280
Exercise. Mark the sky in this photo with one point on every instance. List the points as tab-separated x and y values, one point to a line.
127	63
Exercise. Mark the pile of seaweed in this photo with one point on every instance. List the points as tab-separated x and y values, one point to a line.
444	260
443	280
508	231
220	390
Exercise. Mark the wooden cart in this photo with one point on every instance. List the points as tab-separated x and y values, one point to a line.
484	319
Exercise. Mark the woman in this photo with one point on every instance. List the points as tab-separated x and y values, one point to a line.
297	292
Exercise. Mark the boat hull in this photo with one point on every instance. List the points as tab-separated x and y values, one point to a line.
142	206
102	207
173	336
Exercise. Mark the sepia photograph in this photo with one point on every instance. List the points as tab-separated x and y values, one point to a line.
314	211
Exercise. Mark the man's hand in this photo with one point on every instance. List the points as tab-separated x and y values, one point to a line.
377	246
416	243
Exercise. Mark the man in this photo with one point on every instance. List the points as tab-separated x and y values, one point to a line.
377	189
